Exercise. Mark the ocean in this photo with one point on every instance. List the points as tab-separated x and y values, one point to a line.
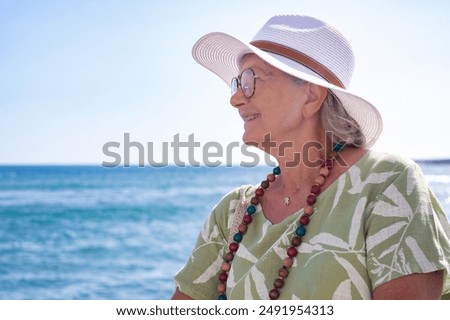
89	232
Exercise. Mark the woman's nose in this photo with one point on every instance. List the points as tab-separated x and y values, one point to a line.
238	99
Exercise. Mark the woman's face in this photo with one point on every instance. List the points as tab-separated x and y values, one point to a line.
273	113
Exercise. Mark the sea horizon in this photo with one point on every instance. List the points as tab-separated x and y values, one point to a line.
437	160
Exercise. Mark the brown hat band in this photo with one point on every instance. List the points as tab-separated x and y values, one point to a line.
299	57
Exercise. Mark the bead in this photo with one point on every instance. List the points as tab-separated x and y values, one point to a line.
320	180
225	267
292	252
265	184
304	220
234	247
309	210
254	201
339	146
276	171
329	163
324	172
229	257
274	294
283	272
311	199
296	241
278	283
223	296
221	288
242	228
223	276
259	192
238	237
322	163
251	209
271	177
247	219
288	262
300	231
315	189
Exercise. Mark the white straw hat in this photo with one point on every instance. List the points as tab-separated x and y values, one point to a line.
304	47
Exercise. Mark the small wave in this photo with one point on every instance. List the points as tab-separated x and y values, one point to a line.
96	197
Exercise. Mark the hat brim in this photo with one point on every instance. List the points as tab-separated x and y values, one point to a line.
222	54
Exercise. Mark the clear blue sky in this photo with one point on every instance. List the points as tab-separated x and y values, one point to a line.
75	75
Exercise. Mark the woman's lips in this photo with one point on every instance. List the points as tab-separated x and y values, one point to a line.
251	117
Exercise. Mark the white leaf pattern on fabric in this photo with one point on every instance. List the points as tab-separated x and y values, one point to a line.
403	264
418	254
211	271
388	250
384	234
231	216
329	240
248	289
265	226
339	189
245	254
279	251
307	248
343	291
410	181
443	221
355	277
356	222
398	265
214	234
374	178
401	208
260	280
234	204
205	233
382	279
230	281
385	209
362	259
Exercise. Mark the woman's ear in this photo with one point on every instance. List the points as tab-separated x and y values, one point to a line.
315	97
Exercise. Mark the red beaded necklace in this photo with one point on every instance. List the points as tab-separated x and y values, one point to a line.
300	231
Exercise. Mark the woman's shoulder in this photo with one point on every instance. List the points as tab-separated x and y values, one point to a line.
379	161
378	170
230	199
224	209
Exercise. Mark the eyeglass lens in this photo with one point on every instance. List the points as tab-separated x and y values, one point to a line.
246	81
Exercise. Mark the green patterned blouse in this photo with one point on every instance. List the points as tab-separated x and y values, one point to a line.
378	221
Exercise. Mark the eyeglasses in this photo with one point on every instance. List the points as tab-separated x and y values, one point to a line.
247	81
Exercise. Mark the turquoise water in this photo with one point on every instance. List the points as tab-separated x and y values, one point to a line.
84	232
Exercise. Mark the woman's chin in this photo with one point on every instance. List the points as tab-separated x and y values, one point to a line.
249	139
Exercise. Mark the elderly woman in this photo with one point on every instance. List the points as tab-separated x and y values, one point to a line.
334	220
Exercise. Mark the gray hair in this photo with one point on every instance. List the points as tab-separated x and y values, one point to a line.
335	119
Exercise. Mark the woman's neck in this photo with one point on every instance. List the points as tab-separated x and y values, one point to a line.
300	159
